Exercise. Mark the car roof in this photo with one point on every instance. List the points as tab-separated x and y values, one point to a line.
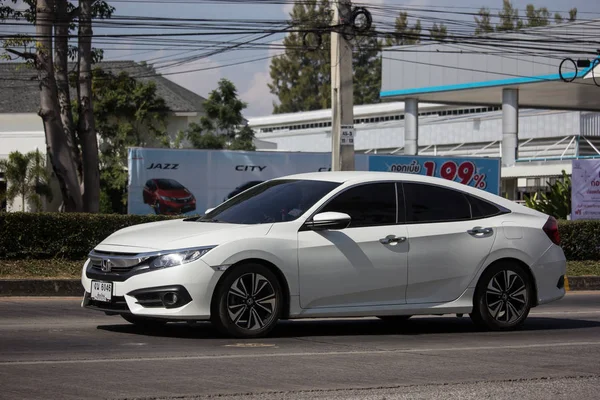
359	176
356	177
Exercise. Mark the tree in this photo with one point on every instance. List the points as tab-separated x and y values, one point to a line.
223	126
127	113
403	33
572	14
27	177
484	24
301	77
509	18
66	144
537	17
558	19
438	32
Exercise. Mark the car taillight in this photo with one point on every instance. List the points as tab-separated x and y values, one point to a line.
551	229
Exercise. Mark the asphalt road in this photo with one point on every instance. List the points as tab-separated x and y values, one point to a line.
52	349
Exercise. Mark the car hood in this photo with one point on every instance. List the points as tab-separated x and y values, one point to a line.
177	234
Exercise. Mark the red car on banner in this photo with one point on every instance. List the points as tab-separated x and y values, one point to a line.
167	196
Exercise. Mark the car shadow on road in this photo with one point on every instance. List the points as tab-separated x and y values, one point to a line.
351	327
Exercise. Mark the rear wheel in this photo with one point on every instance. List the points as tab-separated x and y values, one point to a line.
247	302
503	297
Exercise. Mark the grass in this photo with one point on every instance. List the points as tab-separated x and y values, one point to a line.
56	268
53	268
582	268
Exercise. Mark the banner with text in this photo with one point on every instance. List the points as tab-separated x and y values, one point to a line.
585	189
481	173
172	181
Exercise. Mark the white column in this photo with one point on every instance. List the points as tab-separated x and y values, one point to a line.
411	126
510	126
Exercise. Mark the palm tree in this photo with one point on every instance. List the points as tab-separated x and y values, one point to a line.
26	176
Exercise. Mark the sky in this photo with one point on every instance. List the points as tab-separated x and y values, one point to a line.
251	79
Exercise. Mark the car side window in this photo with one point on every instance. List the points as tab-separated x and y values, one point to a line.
429	203
482	209
368	205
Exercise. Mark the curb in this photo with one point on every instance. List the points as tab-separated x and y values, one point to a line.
575	283
72	287
41	287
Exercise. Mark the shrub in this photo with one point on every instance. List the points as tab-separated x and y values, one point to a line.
557	202
580	240
59	235
72	236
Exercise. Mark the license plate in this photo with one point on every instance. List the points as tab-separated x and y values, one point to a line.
101	291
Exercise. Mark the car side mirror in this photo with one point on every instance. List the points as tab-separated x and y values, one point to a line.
329	220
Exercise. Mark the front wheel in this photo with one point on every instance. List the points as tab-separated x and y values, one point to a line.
248	302
503	297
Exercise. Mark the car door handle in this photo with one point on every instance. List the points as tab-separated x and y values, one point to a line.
479	231
392	239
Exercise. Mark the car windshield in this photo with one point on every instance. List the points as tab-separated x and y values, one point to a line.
273	201
168	184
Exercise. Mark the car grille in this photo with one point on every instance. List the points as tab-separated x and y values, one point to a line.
117	263
183	201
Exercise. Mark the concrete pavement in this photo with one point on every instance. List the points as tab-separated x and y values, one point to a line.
51	348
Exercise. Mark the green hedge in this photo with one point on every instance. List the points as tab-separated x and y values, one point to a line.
580	240
69	236
72	236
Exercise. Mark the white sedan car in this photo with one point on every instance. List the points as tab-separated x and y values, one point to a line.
333	244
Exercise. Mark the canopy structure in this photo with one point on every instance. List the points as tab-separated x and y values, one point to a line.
554	68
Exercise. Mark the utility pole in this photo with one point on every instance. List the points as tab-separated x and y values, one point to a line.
342	101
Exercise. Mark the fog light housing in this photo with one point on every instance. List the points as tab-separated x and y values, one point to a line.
162	297
170	299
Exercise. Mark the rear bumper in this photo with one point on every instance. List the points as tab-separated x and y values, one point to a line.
549	272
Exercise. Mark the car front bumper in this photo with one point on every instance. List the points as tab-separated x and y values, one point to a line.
141	294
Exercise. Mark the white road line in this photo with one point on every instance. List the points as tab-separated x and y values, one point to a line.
297	354
564	312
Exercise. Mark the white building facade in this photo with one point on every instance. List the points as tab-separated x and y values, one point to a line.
548	140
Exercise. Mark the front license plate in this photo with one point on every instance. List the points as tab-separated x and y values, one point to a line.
101	291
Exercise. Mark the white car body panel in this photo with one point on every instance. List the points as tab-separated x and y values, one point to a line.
439	268
352	268
347	272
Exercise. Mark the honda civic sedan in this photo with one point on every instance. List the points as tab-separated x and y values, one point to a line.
333	244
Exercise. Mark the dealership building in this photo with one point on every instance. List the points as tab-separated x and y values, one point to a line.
469	99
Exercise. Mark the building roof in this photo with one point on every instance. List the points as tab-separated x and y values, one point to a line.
474	71
19	90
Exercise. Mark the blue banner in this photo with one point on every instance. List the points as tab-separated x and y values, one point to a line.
481	173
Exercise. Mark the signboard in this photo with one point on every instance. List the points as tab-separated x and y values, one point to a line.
172	181
481	173
585	189
347	136
189	181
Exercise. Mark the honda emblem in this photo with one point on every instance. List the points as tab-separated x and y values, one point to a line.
106	265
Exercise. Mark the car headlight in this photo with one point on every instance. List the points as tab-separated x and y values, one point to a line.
179	257
166	198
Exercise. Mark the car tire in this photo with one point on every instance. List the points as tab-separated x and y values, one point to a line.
395	319
247	302
503	297
143	321
157	207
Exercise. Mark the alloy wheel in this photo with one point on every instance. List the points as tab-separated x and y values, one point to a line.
506	296
251	301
